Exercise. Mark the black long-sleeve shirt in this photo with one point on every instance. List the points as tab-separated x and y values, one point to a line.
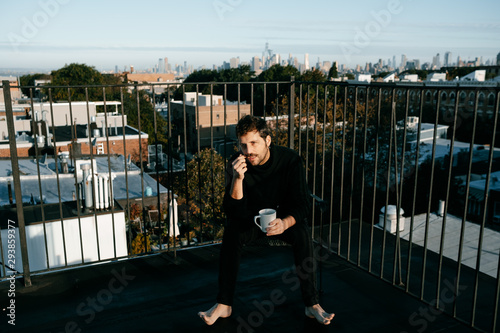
279	184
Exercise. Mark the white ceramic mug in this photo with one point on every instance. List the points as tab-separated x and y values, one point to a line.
265	216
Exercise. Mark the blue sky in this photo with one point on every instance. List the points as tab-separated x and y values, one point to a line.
51	33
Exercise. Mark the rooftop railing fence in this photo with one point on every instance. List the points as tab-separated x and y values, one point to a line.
405	170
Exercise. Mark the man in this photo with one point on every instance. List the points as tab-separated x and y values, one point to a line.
264	176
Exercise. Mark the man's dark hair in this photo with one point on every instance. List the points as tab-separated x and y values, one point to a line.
251	123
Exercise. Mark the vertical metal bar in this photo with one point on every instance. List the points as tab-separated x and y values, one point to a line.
126	165
74	141
307	134
396	188
397	252
91	151
388	182
484	213
342	164
388	185
323	160
426	236
353	160
225	118
143	209
375	174
42	203
186	185
291	115
264	100
56	169
365	135
157	169
315	153
239	101
170	170
300	120
443	228
466	205
109	168
11	130
198	129
497	290
412	218
212	152
251	99
277	111
399	193
332	185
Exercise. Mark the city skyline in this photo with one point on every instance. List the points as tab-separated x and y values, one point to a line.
51	33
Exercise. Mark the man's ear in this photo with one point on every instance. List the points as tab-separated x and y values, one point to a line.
268	140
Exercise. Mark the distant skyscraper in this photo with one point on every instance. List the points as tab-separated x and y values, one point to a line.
165	65
394	62
403	60
234	62
256	64
498	59
306	61
161	68
436	63
447	59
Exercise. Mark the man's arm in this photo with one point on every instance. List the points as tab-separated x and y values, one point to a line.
239	169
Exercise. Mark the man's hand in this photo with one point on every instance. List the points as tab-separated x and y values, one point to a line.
239	167
278	226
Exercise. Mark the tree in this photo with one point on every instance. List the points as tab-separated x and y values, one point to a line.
29	80
206	186
333	72
76	75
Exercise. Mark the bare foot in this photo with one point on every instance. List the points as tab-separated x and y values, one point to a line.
217	311
316	311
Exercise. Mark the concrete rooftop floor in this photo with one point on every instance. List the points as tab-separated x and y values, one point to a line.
163	293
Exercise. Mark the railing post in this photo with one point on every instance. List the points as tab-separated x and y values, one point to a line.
17	181
291	114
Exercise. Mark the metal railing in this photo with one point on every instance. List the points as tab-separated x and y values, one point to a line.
409	173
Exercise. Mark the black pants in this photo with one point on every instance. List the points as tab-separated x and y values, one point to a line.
235	237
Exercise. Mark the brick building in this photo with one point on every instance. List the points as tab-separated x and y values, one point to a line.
208	117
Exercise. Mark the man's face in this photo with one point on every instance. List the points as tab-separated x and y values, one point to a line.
255	148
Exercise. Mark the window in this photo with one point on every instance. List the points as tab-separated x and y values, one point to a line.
491	99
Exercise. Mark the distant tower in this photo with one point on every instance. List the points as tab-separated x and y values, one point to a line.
447	59
403	60
255	64
165	66
498	59
306	61
161	69
131	68
266	57
394	62
234	62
